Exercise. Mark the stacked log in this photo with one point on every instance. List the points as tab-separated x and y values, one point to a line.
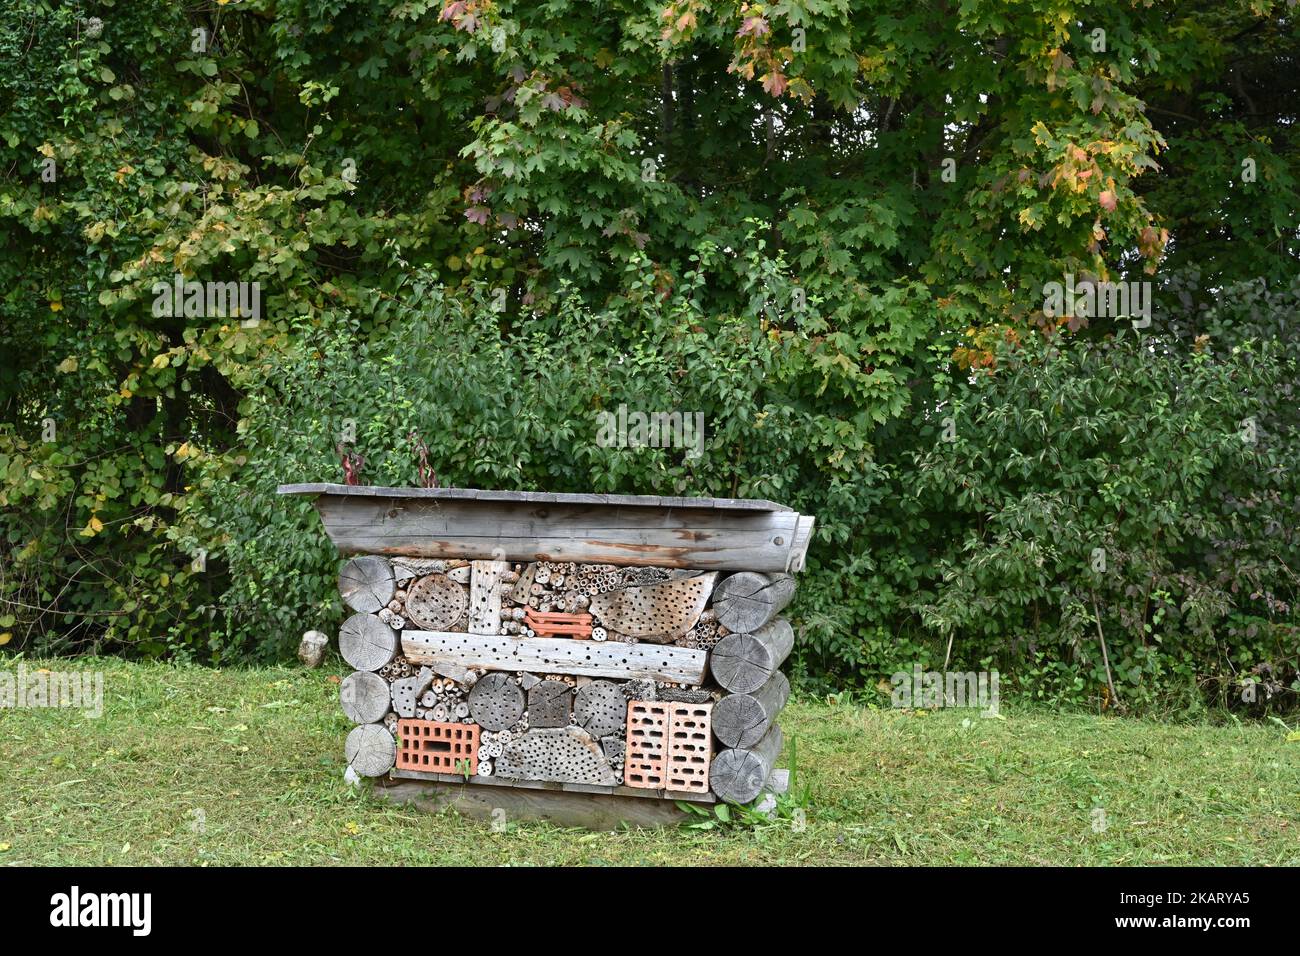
746	663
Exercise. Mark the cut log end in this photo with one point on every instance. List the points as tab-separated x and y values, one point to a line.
366	642
371	750
748	600
364	697
367	583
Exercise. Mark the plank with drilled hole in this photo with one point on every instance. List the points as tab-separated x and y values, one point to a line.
547	655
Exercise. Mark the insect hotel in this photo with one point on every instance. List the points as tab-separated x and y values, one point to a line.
584	658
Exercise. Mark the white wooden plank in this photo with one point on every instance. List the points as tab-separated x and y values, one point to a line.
556	656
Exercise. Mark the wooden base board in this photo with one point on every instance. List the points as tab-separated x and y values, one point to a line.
633	792
506	805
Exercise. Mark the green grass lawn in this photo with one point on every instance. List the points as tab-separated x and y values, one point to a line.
194	766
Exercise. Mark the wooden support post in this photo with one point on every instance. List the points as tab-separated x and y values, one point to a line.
738	775
742	663
741	720
746	601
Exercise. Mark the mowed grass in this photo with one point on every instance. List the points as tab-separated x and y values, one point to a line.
195	766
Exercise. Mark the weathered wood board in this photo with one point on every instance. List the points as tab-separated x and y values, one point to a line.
617	790
705	533
485	596
516	802
556	655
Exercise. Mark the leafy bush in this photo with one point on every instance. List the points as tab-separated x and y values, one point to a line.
1120	499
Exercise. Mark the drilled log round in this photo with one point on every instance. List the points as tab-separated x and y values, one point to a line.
600	708
366	642
742	663
364	697
496	702
746	601
367	583
371	750
738	775
741	720
436	603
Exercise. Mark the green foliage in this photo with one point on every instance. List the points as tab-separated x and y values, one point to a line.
486	222
1127	490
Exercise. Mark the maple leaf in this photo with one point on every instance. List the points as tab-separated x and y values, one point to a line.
774	83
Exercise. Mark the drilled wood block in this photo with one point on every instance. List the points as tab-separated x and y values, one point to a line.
496	702
689	747
549	704
436	603
600	708
438	747
655	610
559	754
645	757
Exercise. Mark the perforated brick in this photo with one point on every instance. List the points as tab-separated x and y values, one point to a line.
645	760
437	747
689	747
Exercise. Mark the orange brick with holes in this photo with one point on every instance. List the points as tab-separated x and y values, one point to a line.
436	747
690	747
645	760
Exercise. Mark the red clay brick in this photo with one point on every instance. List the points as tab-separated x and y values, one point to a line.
437	747
689	747
645	760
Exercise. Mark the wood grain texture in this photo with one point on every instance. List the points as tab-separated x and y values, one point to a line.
485	596
617	790
366	642
367	583
550	703
742	663
371	750
663	536
741	720
738	775
557	655
746	601
364	697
